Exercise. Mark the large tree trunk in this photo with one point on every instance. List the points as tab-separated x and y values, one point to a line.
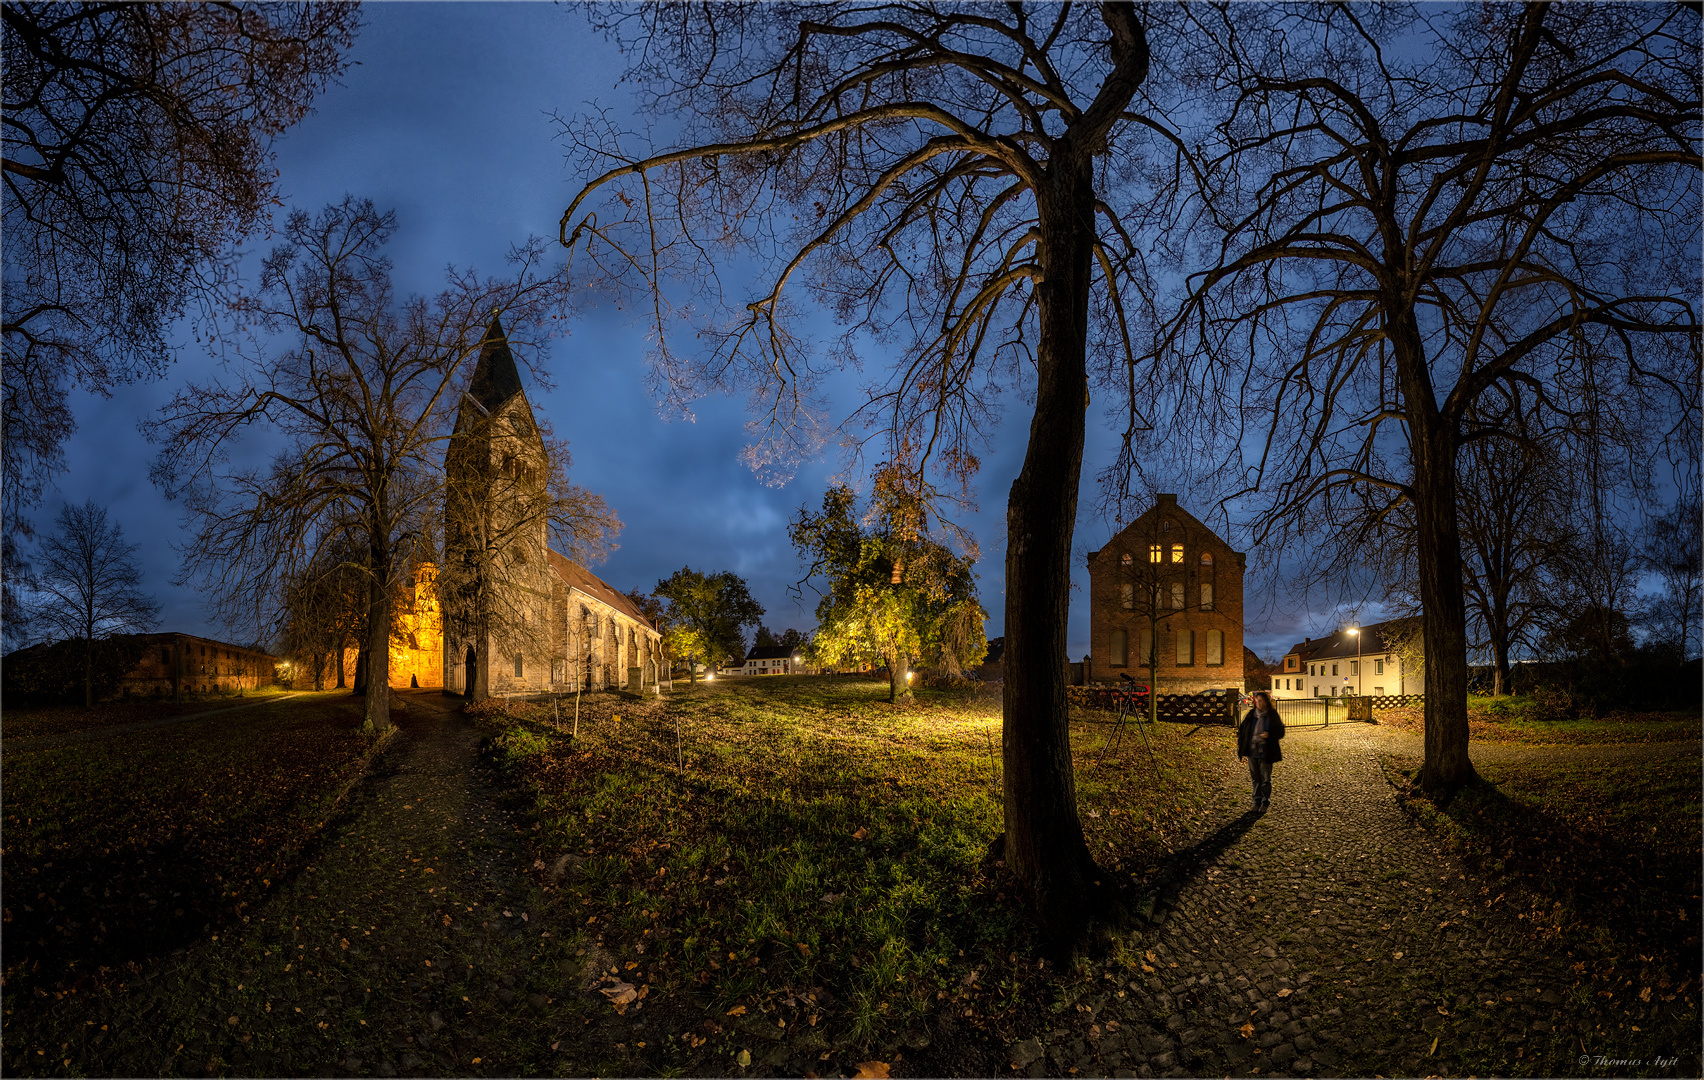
378	644
899	678
1438	550
1044	847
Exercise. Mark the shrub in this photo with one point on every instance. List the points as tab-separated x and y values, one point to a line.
1550	704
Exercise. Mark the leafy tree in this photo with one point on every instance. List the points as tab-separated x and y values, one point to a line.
1410	212
893	595
942	178
89	587
137	156
359	391
705	614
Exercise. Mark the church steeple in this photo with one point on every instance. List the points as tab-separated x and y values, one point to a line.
495	379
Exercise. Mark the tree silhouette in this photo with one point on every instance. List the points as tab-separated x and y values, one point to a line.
941	178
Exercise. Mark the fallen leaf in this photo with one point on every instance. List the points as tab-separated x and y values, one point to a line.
1397	955
1152	959
1286	992
737	1010
804	950
620	994
744	1059
1247	1031
1146	969
859	835
871	1070
1645	994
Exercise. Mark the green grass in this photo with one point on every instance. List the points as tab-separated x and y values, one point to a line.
808	852
121	847
1598	858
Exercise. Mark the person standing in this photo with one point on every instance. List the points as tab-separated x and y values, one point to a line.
1257	740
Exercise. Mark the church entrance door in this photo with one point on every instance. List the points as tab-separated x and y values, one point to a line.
471	668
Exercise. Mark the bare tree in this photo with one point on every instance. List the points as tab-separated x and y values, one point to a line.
88	587
325	608
945	180
1411	209
1671	549
359	395
137	155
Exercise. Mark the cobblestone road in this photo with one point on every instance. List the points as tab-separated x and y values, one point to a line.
1333	937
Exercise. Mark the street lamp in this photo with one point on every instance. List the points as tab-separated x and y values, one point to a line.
1355	632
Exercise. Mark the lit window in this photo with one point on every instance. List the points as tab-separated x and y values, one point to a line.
1206	596
1206	558
1120	648
1185	647
1127	596
1177	595
1177	553
1215	646
1155	553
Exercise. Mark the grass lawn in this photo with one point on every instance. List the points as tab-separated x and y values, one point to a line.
119	848
1600	859
1505	720
809	860
30	721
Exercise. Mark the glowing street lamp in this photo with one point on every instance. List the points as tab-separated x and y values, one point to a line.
1355	632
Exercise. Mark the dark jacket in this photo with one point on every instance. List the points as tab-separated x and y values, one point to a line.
1245	735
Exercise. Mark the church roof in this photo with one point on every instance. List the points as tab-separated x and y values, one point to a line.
576	576
495	378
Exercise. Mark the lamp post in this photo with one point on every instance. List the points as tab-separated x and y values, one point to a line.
1355	632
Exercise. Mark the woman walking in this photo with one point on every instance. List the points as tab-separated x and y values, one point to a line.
1257	740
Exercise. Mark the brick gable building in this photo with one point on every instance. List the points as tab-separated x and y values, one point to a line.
1167	585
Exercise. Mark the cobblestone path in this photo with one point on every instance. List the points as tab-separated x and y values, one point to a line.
1332	937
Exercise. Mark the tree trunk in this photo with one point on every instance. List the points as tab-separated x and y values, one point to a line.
359	688
1500	661
342	646
378	644
1044	847
1438	550
899	679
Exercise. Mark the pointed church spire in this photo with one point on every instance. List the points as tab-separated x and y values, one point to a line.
495	379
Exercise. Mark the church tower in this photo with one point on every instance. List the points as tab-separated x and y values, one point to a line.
495	583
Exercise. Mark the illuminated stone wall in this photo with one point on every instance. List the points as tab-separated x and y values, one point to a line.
417	648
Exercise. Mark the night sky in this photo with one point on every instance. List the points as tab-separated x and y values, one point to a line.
446	120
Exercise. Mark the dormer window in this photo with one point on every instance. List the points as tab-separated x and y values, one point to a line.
1206	558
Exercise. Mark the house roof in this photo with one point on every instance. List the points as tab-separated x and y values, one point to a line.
576	576
1374	638
495	378
1165	505
770	652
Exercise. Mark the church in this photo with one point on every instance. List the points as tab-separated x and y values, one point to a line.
511	615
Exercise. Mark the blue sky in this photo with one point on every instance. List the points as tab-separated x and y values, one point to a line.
446	120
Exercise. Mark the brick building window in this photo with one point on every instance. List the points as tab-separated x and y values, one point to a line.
1185	648
1127	596
1177	595
1206	596
1124	559
1177	553
1215	647
1120	648
1156	553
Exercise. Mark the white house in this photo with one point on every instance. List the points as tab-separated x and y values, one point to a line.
1353	661
773	660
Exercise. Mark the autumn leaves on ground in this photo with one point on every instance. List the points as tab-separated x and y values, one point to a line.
747	877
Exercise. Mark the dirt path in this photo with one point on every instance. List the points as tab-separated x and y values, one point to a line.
405	948
49	742
1348	943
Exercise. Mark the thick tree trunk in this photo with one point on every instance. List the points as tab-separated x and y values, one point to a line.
378	644
1044	847
1438	550
342	646
1500	662
899	678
